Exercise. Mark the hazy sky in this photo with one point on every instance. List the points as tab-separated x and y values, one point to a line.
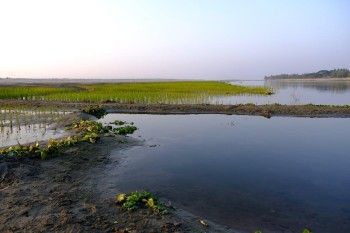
211	39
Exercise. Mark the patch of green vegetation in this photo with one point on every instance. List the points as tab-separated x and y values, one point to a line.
118	122
137	200
87	126
306	230
87	131
36	150
95	110
152	92
30	92
128	129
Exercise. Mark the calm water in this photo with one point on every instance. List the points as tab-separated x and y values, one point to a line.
280	174
24	134
27	126
295	92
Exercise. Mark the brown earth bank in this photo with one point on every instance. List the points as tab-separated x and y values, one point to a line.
268	110
60	195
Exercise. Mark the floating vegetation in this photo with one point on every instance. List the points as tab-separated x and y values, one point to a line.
125	127
128	129
137	200
87	131
189	92
95	110
118	122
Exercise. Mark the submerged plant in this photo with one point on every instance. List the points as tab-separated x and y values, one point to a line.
137	200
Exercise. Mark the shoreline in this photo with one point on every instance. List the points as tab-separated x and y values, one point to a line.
69	179
66	197
269	110
308	79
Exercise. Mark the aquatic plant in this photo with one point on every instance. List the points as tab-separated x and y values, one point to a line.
87	131
118	122
137	200
128	129
42	151
95	110
87	126
306	230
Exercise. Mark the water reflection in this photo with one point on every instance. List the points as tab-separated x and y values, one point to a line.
326	85
24	126
294	92
279	175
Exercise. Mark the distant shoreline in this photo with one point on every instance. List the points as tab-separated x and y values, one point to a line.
308	79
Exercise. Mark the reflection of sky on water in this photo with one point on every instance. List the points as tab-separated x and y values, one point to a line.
26	126
24	134
294	92
280	174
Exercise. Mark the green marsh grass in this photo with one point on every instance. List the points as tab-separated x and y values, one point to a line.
186	92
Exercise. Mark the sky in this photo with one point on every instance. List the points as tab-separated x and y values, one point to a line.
184	39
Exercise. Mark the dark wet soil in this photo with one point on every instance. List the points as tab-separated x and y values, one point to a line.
268	110
59	195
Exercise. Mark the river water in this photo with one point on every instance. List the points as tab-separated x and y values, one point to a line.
245	172
293	92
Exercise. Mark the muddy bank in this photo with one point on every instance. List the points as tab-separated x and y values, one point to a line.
268	110
241	109
60	195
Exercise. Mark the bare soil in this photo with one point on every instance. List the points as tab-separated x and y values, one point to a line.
268	110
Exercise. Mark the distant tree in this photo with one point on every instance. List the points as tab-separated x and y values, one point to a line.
335	73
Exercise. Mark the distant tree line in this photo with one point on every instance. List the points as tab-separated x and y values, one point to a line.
336	73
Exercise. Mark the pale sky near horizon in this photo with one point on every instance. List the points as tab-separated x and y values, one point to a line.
205	39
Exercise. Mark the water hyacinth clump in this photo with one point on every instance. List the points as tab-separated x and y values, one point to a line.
40	151
137	200
128	129
118	122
